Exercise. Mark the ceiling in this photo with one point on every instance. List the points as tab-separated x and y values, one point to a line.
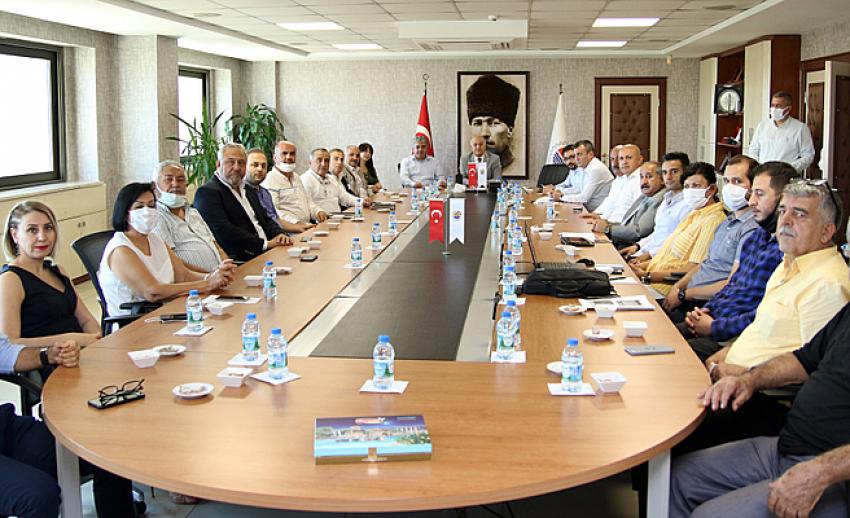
248	29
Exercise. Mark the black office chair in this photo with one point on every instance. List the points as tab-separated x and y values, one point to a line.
552	174
90	250
29	385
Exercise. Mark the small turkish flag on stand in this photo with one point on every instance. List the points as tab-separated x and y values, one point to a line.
472	175
437	216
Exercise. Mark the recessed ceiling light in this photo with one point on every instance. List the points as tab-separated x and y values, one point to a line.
725	7
358	46
310	26
206	15
625	22
600	43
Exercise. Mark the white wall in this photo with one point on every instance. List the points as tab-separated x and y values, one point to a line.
825	41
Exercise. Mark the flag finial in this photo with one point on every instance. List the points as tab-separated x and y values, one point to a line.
561	88
425	78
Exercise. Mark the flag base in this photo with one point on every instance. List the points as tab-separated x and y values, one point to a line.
446	252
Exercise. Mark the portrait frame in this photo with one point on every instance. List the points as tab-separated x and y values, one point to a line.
498	98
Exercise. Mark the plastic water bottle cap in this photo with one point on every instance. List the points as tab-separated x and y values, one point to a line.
506	314
276	331
269	263
509	268
193	293
355	239
511	303
572	342
251	316
508	252
384	338
392	213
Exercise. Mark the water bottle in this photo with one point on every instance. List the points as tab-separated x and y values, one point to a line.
508	259
494	222
516	242
423	200
393	223
278	361
505	337
550	208
356	253
269	281
500	203
414	202
383	358
358	208
194	312
250	337
515	317
376	236
509	284
572	366
512	217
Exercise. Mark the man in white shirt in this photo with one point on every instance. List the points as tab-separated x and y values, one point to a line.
672	209
783	138
589	183
292	202
625	188
324	188
420	168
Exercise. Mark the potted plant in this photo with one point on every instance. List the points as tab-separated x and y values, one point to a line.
258	127
200	152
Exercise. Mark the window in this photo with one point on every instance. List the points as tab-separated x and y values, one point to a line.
192	99
32	135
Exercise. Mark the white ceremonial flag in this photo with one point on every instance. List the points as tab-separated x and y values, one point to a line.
482	176
559	132
457	215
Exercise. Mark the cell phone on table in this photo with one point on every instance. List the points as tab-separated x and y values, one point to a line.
232	298
173	317
305	239
100	403
646	350
309	258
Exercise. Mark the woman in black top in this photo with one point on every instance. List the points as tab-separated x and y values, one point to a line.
367	167
39	303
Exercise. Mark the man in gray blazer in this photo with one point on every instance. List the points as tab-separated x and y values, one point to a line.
480	154
639	220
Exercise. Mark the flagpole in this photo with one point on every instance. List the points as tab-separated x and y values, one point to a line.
446	229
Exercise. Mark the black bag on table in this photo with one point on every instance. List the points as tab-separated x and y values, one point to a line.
568	283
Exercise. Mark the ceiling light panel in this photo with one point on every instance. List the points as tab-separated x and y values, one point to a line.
357	46
310	26
625	22
607	44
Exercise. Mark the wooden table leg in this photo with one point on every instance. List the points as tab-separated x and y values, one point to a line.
68	471
658	491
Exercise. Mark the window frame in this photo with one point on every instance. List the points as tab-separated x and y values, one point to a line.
55	56
198	73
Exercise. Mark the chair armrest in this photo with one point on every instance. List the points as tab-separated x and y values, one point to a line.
23	382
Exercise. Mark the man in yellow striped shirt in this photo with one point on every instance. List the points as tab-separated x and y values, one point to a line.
687	246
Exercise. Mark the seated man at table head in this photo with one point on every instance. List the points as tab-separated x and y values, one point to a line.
480	155
729	312
137	265
589	183
293	204
802	471
724	252
179	224
625	188
639	219
419	168
808	287
687	246
352	177
322	186
233	213
40	304
258	169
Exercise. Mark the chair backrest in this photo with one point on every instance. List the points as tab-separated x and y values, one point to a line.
552	174
90	250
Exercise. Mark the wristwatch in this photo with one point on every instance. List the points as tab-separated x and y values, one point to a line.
647	278
682	295
42	355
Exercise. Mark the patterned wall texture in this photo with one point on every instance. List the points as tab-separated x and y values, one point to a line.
335	103
825	41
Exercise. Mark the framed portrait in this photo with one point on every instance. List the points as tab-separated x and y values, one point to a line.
494	105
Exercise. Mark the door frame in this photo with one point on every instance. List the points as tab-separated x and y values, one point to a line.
814	78
660	82
831	69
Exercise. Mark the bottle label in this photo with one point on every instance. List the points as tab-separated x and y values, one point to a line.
383	369
250	343
506	342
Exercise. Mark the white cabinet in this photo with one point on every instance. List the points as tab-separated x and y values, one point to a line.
757	62
707	119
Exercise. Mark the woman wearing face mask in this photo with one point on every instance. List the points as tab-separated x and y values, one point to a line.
138	266
40	305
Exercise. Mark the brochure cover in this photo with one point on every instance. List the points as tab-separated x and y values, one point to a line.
371	439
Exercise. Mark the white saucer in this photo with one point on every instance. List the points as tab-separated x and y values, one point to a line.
170	349
572	309
196	390
554	367
600	336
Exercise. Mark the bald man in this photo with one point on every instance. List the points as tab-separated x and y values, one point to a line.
625	188
479	154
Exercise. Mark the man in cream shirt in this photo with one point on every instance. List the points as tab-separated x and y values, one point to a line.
292	202
806	290
783	138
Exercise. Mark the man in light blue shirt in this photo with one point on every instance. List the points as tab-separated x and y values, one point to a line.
588	184
19	358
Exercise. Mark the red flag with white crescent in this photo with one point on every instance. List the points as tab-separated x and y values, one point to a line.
423	127
437	215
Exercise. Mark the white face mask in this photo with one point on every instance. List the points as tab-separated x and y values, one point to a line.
778	114
172	200
144	220
286	168
695	198
734	196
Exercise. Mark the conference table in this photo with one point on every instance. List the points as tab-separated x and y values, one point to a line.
497	433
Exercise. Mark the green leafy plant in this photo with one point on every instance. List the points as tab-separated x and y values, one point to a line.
257	127
200	152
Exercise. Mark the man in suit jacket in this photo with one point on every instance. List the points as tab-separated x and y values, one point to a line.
480	154
233	213
639	220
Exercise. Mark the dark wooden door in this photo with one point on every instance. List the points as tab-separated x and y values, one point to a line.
841	148
631	121
814	120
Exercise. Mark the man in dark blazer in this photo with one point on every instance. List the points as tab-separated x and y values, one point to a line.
233	213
